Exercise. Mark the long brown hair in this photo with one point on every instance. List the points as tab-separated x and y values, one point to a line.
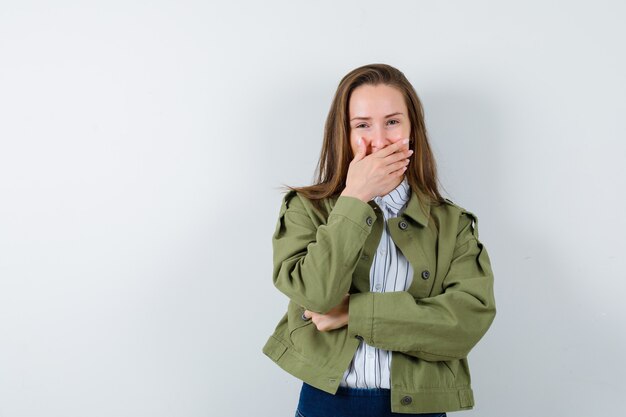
336	155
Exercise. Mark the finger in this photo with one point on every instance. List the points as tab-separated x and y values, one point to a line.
394	147
400	156
399	164
360	153
398	173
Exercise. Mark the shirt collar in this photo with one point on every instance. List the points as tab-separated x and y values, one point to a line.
417	208
396	199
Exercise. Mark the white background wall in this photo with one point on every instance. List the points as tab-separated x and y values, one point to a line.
142	144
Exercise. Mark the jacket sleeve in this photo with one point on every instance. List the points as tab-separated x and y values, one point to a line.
313	265
438	328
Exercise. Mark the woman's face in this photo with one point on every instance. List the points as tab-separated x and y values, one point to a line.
378	114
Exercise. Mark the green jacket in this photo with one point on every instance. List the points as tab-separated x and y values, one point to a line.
430	328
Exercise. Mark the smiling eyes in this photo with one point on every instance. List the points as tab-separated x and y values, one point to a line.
392	120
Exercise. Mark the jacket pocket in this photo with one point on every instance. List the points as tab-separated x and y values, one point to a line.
426	374
453	366
294	317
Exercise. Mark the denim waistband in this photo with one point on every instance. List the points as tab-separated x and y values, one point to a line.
361	392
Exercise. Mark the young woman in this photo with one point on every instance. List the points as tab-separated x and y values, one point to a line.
389	287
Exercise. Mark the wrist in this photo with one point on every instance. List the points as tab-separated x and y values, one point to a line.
349	193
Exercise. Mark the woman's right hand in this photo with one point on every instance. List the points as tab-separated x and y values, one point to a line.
377	173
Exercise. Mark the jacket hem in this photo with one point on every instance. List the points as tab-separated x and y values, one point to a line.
432	400
298	366
423	400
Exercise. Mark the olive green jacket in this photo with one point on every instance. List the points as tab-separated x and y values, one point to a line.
430	328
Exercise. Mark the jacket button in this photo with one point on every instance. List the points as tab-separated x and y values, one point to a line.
369	221
406	400
403	225
425	274
304	317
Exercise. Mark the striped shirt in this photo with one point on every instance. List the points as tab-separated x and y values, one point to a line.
391	271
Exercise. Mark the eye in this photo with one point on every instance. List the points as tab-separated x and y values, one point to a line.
359	125
394	120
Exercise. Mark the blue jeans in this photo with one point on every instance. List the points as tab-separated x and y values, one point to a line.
349	402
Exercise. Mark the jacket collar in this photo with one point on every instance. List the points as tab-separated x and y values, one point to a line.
413	209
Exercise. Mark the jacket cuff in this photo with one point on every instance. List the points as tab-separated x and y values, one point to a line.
355	210
360	316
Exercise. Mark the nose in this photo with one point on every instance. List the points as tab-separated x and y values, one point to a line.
378	138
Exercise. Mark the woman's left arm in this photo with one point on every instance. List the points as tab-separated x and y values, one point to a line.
443	327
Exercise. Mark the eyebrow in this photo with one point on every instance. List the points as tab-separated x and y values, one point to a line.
369	118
